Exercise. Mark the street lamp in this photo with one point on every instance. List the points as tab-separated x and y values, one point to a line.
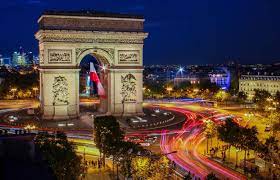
35	89
169	89
13	90
181	69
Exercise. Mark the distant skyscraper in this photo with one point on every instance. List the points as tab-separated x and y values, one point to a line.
30	58
15	58
22	59
19	58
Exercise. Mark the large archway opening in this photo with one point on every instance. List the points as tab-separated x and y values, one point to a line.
93	86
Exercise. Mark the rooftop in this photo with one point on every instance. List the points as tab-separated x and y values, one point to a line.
91	13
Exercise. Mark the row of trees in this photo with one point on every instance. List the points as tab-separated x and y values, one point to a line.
203	89
265	101
207	90
244	138
60	155
16	85
133	160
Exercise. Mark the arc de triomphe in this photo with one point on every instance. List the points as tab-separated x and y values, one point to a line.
115	40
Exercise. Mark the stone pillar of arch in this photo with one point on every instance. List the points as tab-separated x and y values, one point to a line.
116	40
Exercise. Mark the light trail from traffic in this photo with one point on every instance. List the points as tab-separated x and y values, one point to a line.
186	143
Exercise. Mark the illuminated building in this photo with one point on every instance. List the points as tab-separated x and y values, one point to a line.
220	79
248	83
18	59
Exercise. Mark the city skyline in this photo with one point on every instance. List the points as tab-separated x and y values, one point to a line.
182	32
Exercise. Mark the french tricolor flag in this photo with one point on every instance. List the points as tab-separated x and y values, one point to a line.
94	77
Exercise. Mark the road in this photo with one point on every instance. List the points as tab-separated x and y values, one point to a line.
186	143
18	104
184	140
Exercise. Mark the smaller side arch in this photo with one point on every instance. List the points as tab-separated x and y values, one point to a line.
103	55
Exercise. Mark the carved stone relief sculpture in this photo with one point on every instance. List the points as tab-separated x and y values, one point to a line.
60	91
128	90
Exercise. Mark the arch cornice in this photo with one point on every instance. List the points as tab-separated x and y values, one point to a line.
90	36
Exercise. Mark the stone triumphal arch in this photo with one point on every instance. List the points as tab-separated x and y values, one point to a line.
115	40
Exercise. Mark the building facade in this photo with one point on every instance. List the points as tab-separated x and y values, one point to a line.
248	83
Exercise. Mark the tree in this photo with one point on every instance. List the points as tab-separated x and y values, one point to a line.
210	131
60	155
229	133
274	119
270	150
206	84
128	151
248	140
154	88
277	99
260	98
211	176
23	82
221	96
107	135
141	167
183	85
160	168
154	167
242	97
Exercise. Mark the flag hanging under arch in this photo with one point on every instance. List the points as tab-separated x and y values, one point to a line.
94	77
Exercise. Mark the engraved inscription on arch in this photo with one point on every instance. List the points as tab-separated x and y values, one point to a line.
59	56
129	57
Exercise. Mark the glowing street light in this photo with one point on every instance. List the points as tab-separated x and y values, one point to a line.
13	90
196	90
181	69
169	89
103	67
35	89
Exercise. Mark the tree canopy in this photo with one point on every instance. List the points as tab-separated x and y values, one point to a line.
107	135
60	155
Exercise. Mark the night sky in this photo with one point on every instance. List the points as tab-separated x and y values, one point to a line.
181	31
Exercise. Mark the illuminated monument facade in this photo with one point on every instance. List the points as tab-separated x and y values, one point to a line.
115	40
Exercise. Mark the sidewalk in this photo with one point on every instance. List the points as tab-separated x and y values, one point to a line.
95	173
98	174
